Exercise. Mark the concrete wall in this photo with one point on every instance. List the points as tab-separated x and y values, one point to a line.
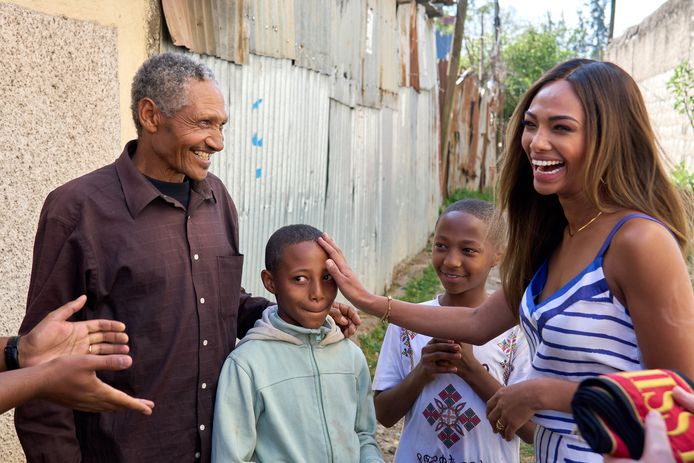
649	52
64	86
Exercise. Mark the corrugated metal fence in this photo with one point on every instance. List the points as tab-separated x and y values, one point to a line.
324	128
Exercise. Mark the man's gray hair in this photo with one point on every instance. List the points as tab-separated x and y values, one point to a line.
163	79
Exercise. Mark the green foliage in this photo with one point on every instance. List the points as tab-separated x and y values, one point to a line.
681	86
683	178
370	344
526	58
485	195
423	288
527	452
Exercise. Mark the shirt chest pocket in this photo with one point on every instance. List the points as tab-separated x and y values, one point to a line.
229	274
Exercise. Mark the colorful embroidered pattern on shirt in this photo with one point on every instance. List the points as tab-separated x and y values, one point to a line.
405	337
450	417
508	347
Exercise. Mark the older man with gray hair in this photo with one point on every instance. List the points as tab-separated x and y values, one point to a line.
152	239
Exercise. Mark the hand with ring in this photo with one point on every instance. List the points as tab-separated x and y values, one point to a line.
509	408
55	336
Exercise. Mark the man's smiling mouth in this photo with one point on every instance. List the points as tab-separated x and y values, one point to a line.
204	155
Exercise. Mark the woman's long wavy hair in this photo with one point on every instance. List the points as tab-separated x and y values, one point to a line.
622	169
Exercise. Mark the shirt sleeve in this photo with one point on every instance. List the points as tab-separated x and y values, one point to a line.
250	309
234	434
365	424
520	362
46	430
389	369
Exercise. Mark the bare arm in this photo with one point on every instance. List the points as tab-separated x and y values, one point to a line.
646	271
474	326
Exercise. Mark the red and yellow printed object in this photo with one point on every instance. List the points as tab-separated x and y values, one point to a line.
609	411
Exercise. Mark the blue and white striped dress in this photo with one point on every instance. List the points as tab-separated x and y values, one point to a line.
578	332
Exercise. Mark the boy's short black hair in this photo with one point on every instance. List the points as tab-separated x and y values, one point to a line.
483	210
283	237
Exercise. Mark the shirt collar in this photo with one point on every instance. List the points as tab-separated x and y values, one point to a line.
138	191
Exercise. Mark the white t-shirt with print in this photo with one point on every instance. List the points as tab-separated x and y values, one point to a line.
448	421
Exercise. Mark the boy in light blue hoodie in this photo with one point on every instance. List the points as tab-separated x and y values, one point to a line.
295	389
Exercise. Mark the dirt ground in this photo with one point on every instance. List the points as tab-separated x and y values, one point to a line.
388	438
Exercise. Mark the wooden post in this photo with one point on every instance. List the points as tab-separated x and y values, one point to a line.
613	4
450	89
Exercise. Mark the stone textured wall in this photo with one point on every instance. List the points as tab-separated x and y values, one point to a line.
649	52
59	118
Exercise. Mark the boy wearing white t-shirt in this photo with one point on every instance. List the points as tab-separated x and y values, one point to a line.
440	386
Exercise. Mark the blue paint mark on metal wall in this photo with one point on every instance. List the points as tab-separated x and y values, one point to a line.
256	140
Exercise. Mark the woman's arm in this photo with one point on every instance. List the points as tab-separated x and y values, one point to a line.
474	326
647	273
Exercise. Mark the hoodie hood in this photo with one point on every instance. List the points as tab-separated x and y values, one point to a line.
272	328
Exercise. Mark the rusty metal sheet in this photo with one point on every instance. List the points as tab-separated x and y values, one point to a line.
211	27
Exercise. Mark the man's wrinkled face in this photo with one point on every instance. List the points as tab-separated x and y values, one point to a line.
185	142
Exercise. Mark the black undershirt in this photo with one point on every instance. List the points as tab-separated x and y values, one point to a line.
180	191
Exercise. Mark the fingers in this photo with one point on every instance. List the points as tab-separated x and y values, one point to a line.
684	398
349	312
656	445
108	349
108	337
95	326
443	348
344	314
330	246
334	271
66	311
108	362
111	399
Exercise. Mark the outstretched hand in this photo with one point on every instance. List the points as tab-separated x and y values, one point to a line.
71	381
55	336
347	282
